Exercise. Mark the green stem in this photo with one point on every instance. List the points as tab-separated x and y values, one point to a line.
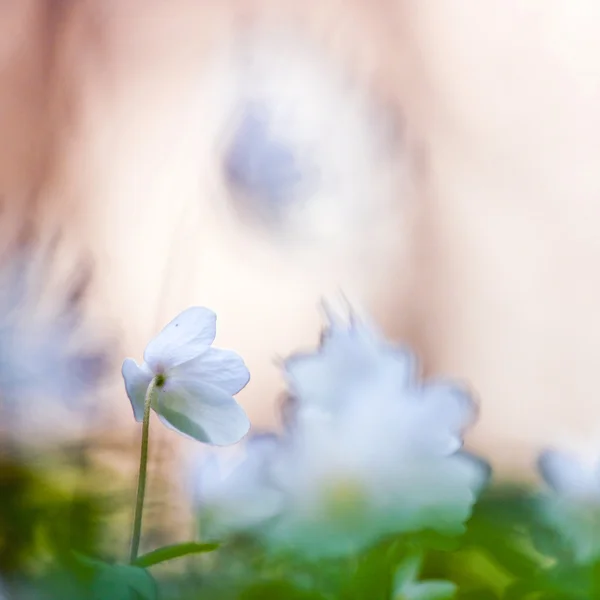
141	489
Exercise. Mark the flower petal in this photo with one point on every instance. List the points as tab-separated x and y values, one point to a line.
137	379
244	498
442	411
350	360
224	369
264	167
565	474
202	412
184	338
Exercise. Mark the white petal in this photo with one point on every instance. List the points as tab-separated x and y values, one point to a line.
450	404
566	474
206	479
443	412
351	362
245	498
184	338
224	369
137	379
201	411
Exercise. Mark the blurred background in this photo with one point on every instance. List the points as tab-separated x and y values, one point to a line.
435	161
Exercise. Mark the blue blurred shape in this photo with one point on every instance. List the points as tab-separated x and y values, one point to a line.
262	167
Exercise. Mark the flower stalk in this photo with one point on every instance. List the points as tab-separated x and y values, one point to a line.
141	489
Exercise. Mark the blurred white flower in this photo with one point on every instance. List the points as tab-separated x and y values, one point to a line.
37	358
377	467
194	382
573	505
372	451
407	586
50	366
237	496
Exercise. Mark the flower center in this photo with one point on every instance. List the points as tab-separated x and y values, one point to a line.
344	497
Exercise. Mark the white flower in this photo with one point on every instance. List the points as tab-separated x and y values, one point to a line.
194	382
50	363
573	505
375	468
241	499
371	451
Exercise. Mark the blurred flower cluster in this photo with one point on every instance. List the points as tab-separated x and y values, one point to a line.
51	365
572	505
368	451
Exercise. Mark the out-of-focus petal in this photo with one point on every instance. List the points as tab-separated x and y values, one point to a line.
244	499
567	475
202	412
262	166
137	379
351	359
224	369
573	509
184	338
441	412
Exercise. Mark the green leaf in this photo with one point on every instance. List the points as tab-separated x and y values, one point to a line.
408	586
166	553
430	590
123	582
104	581
373	575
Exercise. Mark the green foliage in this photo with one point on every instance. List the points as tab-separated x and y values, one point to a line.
171	552
121	582
53	547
